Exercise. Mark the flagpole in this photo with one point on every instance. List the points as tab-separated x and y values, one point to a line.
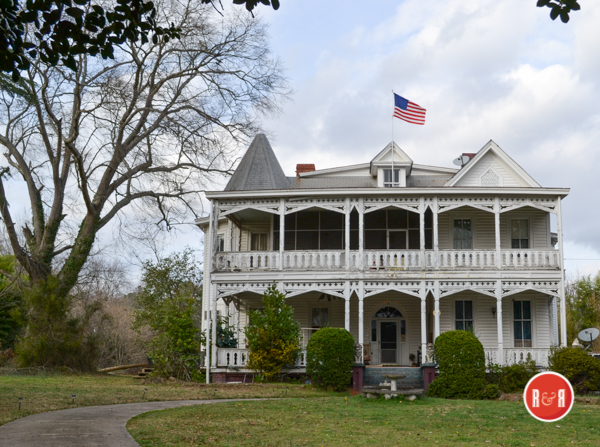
393	174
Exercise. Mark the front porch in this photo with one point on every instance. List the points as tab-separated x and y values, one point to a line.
393	328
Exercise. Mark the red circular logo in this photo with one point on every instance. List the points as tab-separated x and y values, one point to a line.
548	396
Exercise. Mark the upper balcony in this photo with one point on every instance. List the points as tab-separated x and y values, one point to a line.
388	260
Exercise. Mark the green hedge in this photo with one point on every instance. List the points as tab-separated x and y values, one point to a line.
330	357
513	378
461	362
580	368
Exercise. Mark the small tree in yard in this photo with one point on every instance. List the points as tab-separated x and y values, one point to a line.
329	358
273	335
168	304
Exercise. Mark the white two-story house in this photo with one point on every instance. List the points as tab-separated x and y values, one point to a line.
393	251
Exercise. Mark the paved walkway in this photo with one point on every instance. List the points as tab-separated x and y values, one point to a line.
102	426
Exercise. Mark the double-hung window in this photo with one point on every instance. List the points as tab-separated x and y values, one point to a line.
463	311
522	322
388	181
463	234
519	233
220	243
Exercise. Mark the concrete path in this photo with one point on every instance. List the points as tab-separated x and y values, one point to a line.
102	426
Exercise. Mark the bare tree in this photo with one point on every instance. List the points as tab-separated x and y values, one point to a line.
142	133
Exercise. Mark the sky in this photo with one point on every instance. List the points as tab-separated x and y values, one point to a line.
483	70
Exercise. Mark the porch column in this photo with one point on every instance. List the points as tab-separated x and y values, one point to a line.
207	291
361	232
214	326
563	302
229	238
436	240
422	230
436	310
497	232
361	297
499	322
347	234
281	231
423	322
347	309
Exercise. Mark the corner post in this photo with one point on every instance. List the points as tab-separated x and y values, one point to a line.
361	325
347	306
497	232
361	232
499	322
436	310
281	232
563	301
423	294
436	240
422	231
347	210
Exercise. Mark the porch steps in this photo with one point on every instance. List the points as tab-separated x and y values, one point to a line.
374	376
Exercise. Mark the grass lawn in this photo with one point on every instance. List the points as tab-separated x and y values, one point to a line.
53	392
335	421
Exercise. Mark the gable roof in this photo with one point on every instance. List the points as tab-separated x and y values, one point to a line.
391	152
516	171
258	169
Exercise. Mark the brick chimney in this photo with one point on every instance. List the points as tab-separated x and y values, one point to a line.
470	155
301	168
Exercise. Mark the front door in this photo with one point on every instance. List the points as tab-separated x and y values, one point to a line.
389	341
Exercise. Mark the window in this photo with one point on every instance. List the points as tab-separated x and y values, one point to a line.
320	317
220	242
396	229
519	233
311	230
522	320
464	315
387	178
463	236
258	242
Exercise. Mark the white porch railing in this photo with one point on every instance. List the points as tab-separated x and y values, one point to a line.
232	357
392	259
458	259
388	260
516	355
321	260
238	358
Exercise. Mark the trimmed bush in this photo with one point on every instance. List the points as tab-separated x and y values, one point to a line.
580	368
513	378
330	357
461	362
491	391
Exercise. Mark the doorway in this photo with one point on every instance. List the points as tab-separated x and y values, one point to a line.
389	337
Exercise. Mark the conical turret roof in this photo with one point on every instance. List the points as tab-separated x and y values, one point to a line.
258	169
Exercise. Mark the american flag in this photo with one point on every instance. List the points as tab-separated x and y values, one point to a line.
408	111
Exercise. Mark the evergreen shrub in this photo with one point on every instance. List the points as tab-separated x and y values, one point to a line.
273	335
580	368
461	362
330	357
513	378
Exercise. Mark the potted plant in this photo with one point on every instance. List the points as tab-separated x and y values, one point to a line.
412	359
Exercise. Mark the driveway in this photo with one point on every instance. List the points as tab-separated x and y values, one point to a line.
102	426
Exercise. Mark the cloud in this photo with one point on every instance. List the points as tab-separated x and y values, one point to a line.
483	69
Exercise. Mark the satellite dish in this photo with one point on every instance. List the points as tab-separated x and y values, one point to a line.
461	161
588	335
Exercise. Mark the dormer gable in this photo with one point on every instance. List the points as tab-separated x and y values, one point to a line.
492	167
391	166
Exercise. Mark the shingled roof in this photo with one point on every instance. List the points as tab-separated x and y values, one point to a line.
259	169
